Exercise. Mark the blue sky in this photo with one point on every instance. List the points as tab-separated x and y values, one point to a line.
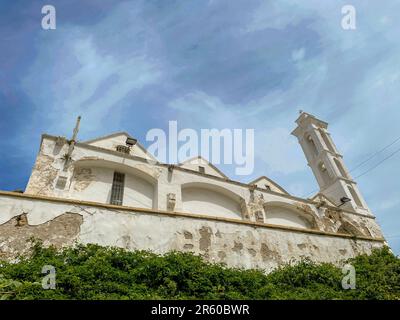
135	65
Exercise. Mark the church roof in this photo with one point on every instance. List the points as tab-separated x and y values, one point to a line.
259	179
204	161
117	134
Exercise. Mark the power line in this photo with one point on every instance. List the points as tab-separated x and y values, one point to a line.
393	236
388	157
375	154
368	159
370	169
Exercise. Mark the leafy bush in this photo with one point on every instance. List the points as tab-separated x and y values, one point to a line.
94	272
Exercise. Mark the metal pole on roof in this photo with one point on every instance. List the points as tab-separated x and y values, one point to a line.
72	143
76	129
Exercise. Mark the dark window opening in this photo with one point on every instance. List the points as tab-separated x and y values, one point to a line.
355	197
327	141
202	169
123	149
61	183
341	168
312	145
117	190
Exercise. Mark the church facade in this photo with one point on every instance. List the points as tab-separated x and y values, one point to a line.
111	191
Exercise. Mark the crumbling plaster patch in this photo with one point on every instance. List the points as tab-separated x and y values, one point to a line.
43	176
16	233
336	221
82	178
237	245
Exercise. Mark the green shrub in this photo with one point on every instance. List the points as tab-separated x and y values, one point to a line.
95	272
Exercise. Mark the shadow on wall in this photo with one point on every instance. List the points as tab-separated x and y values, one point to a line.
207	199
286	215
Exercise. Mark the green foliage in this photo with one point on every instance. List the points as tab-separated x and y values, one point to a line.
8	288
94	272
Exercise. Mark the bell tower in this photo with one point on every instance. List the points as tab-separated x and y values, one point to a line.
327	164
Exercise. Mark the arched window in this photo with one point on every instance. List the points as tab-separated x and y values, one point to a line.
327	141
312	145
324	173
355	196
117	189
341	168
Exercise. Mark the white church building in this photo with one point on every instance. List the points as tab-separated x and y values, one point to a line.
111	191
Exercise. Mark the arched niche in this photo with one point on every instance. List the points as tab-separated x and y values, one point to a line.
355	196
281	213
209	199
327	141
311	145
349	228
92	181
340	168
323	171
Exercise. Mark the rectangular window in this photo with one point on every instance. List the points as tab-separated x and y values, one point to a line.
61	183
123	149
117	190
202	169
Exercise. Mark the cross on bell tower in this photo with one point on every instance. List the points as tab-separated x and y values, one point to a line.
327	164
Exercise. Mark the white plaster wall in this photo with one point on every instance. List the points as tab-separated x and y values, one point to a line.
184	180
237	245
138	192
208	202
285	217
99	189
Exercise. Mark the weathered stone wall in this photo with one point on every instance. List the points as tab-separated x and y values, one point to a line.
237	243
15	234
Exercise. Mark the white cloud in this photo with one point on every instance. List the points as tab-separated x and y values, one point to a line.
278	15
280	151
275	147
298	54
387	204
75	76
